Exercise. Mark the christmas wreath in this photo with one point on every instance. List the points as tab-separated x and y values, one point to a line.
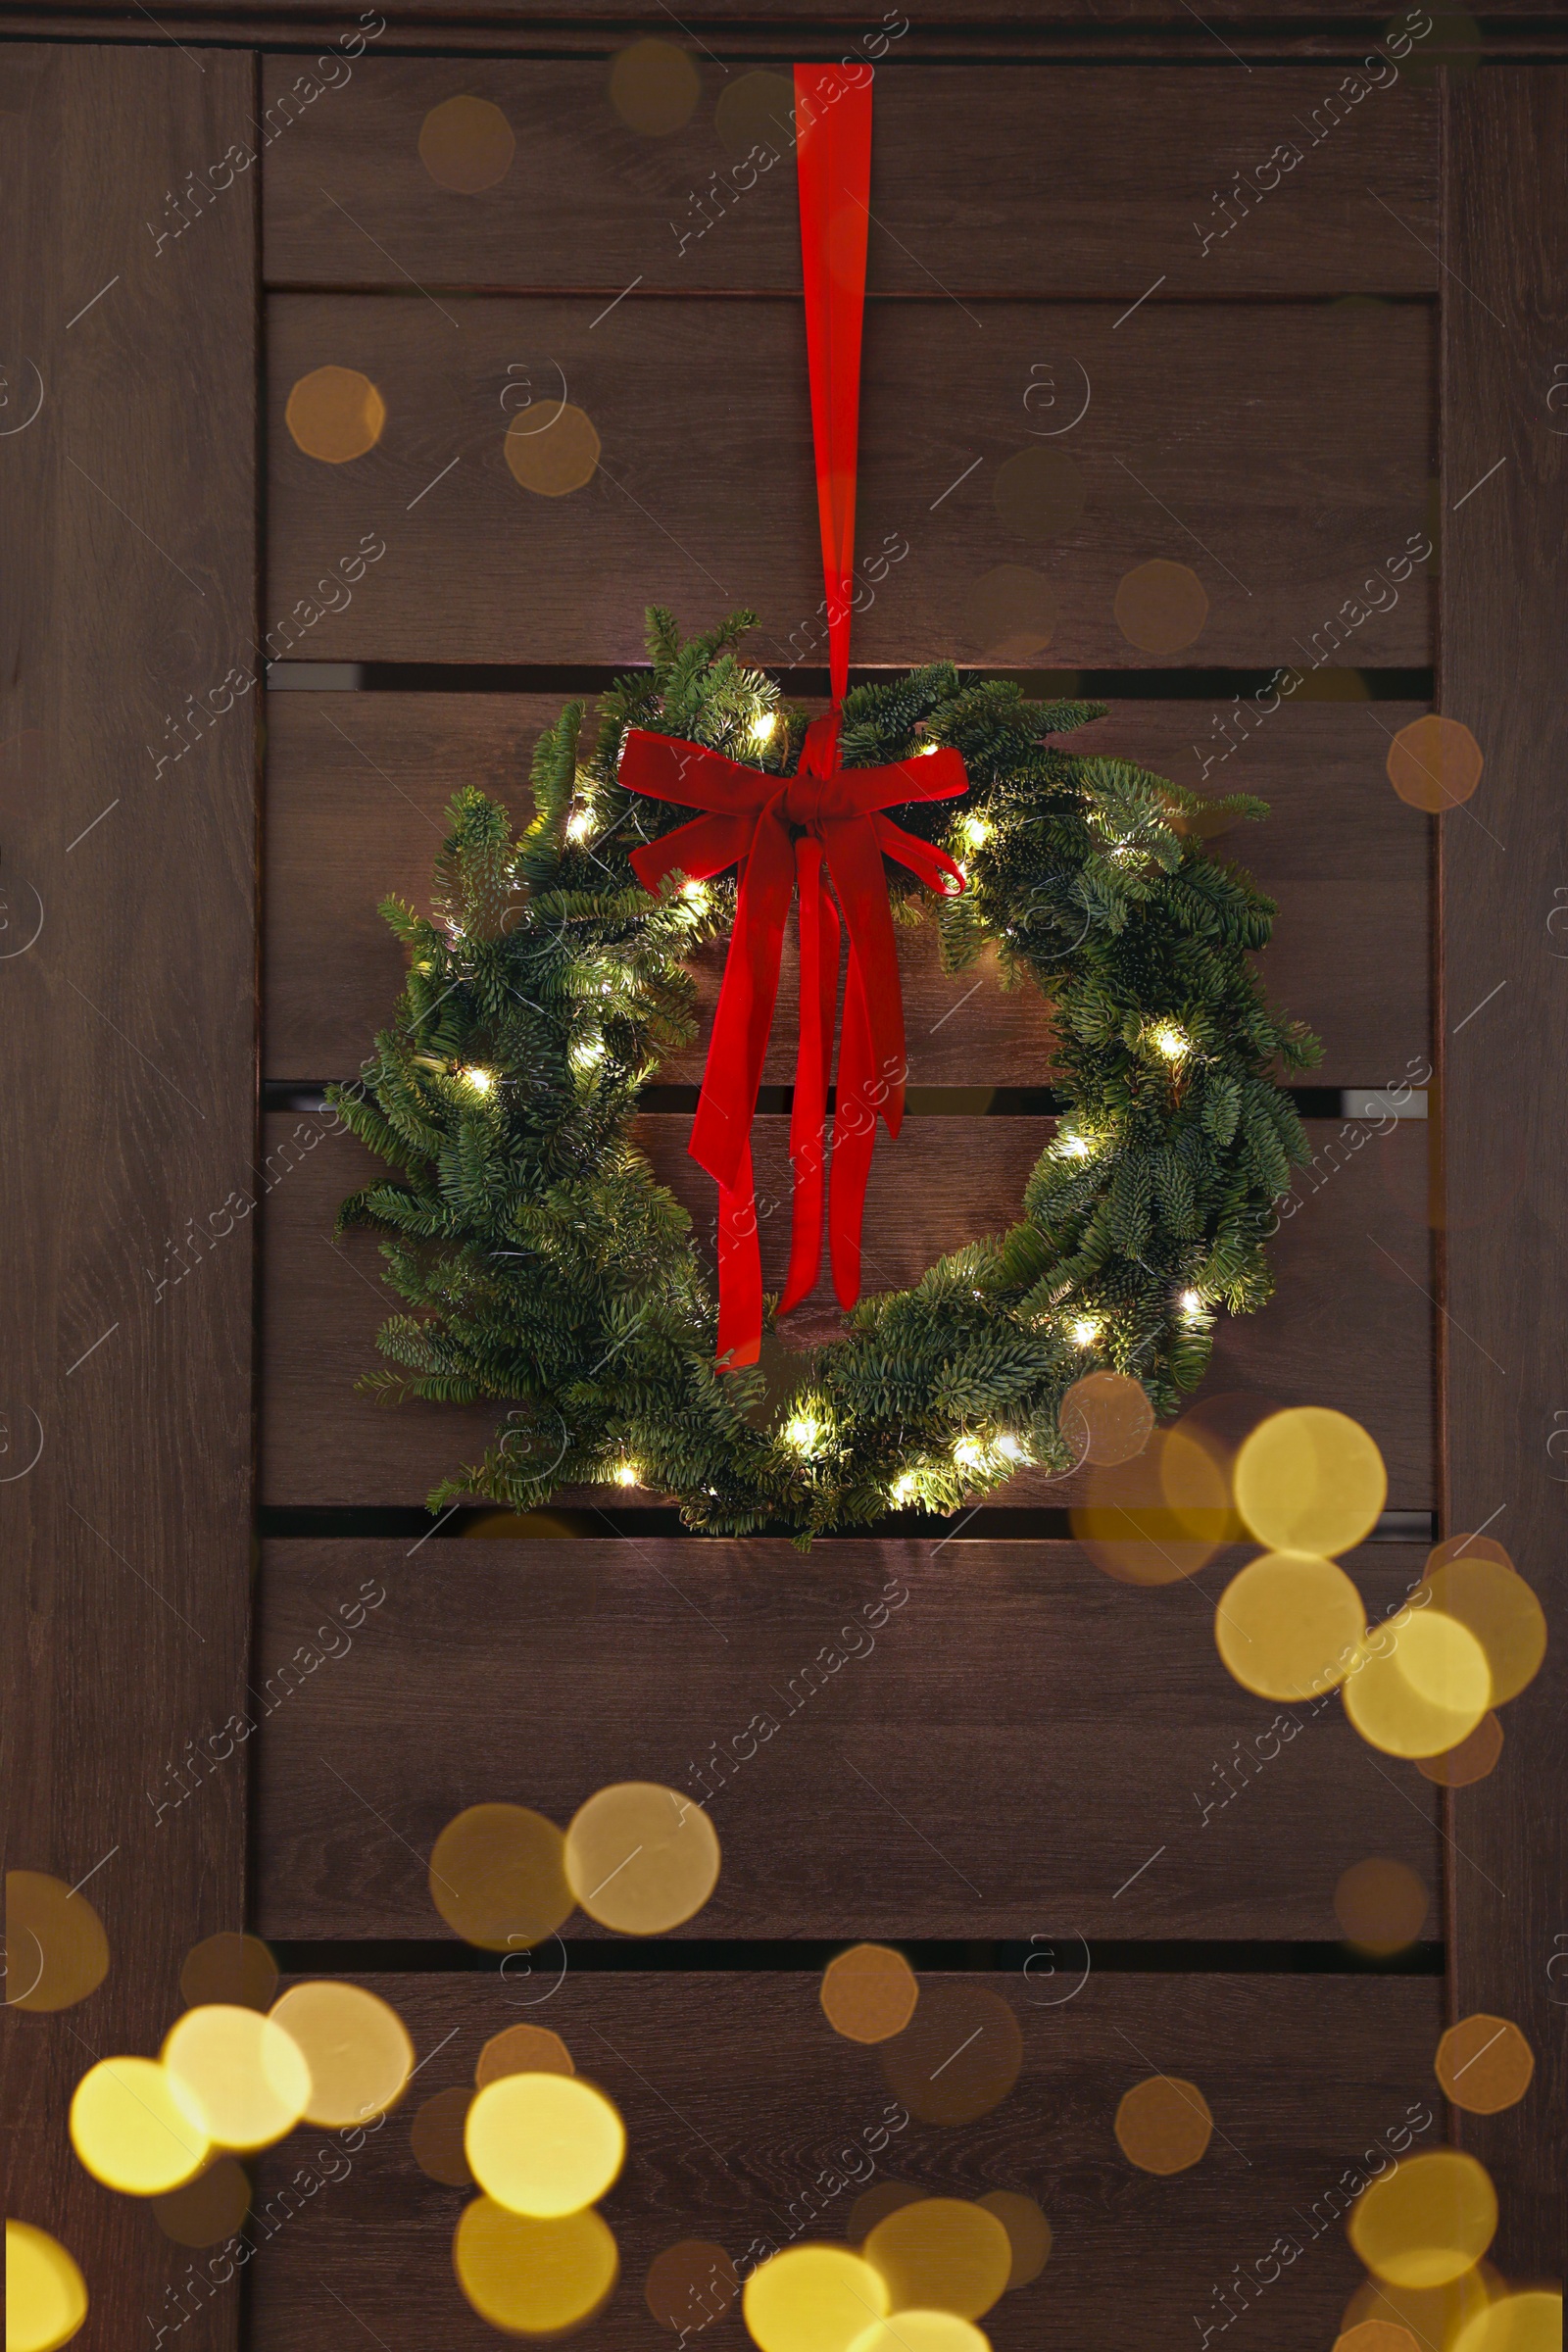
548	1271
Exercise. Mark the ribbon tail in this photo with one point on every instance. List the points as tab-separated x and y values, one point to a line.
720	1136
740	1271
854	1134
819	987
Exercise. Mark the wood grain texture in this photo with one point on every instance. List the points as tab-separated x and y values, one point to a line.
1349	1325
970	162
748	2119
892	1739
1280	467
126	1486
1505	938
357	789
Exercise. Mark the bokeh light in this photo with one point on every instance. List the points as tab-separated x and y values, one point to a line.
354	2044
690	2284
46	2295
1288	1625
1433	2315
654	87
335	414
436	2137
236	1970
209	2209
1502	1611
1310	1480
875	2203
812	2299
1107	1418
1381	1905
56	1948
244	2075
1420	1689
555	458
1531	2322
498	1877
958	2058
1159	1517
943	2254
1163	2123
135	2127
641	1860
531	2277
922	2331
522	2051
466	144
1377	2335
755	110
1433	764
1484	2064
1011	614
869	1992
1028	2232
1468	1548
1161	607
1426	2222
1039	492
1472	1760
544	2144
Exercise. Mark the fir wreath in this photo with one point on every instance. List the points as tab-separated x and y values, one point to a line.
548	1271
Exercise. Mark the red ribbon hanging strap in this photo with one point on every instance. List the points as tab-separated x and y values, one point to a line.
833	167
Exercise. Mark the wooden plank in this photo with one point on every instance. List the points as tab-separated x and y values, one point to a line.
357	788
1279	468
1505	993
539	1672
131	891
1349	1325
747	2118
1128	169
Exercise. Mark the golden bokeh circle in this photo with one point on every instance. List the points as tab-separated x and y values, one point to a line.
1011	614
245	2075
1427	2221
1468	1548
234	1968
1028	2232
812	2299
1381	1905
466	144
1502	1611
922	2331
1161	607
1433	2315
1420	1689
56	1951
654	88
1484	2064
1288	1625
46	2295
551	460
958	2058
531	2277
690	2284
869	1992
641	1858
544	2144
1107	1418
1433	764
1310	1480
755	110
209	2209
875	2203
498	1877
1531	2322
354	2044
436	2137
1377	2335
335	414
522	2051
1470	1761
135	2127
1039	492
1163	2123
942	2254
1158	1517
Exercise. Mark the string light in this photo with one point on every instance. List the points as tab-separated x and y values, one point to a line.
903	1488
482	1081
1172	1042
764	724
696	891
1191	1304
629	1474
968	1453
927	750
976	829
803	1433
1073	1147
580	825
586	1053
1011	1451
1084	1330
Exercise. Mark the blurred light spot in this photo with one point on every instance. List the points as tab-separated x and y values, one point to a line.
1039	492
1329	685
1468	1548
958	2058
1433	2315
335	414
465	144
1420	1687
1377	2335
869	1993
654	87
1288	1625
1310	1480
1161	607
1028	2234
498	1877
1426	2222
922	2331
1381	1905
209	2209
1163	2125
135	2127
354	2044
690	2285
1502	1611
1484	2064
556	458
640	1859
1433	764
1105	1417
245	2077
46	2295
544	2144
756	110
1161	1516
812	2299
1472	1760
534	2278
436	2137
1011	614
522	2051
236	1970
943	2254
1531	2322
875	2203
56	1948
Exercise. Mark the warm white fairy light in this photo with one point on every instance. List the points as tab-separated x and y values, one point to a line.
1173	1042
968	1453
1073	1147
1191	1304
580	825
1082	1331
586	1053
905	1489
629	1474
927	750
1011	1450
482	1081
803	1433
976	829
762	726
696	893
